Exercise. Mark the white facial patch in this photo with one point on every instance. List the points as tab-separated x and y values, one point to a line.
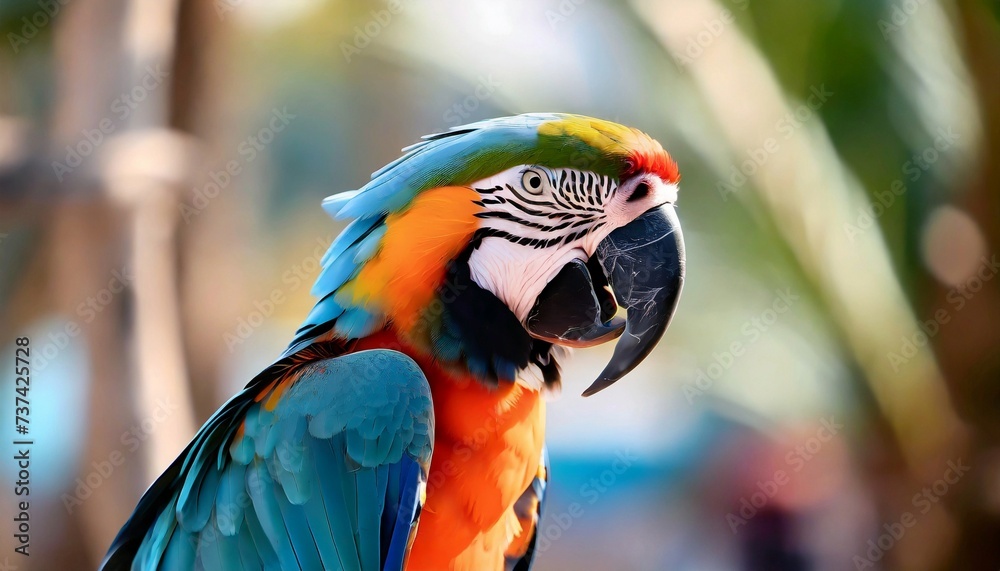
516	274
537	221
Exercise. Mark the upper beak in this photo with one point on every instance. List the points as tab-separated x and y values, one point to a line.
643	262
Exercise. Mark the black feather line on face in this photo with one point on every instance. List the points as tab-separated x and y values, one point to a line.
494	345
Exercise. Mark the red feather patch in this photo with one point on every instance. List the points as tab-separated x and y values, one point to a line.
650	157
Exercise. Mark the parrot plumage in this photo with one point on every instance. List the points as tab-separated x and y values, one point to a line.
412	393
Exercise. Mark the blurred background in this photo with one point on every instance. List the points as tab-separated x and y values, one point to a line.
827	399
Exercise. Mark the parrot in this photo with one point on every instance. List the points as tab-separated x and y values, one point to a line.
403	427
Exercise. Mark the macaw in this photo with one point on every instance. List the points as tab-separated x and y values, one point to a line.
413	392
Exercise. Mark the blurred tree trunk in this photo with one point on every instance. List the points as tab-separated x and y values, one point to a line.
85	247
968	347
211	285
117	213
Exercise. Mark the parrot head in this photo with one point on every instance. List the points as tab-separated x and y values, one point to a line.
495	245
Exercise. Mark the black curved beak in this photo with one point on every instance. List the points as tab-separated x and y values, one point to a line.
643	264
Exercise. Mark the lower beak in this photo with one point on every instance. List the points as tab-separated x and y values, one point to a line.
643	262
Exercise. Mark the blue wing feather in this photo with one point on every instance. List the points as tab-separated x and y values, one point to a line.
314	483
357	322
407	509
336	504
248	558
262	545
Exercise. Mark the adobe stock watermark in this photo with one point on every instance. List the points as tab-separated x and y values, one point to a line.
230	514
292	279
912	169
131	440
121	109
248	150
957	297
590	493
563	12
899	16
87	311
462	451
710	30
922	502
795	460
784	128
225	7
752	330
367	32
461	111
32	25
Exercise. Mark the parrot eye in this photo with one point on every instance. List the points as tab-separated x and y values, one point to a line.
534	181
